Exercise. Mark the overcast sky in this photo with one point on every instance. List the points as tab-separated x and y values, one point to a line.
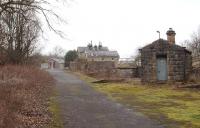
122	25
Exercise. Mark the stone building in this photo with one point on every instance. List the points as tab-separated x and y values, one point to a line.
97	53
164	61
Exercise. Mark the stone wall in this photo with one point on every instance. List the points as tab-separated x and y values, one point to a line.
104	69
99	69
77	66
129	72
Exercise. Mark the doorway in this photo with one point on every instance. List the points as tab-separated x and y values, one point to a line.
162	68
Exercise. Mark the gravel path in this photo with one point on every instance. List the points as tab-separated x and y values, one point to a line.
83	107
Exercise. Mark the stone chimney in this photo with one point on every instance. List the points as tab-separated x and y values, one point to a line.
171	36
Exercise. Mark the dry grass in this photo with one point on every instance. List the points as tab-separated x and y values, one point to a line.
24	92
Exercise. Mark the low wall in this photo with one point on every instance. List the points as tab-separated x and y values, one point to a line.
129	72
99	69
104	70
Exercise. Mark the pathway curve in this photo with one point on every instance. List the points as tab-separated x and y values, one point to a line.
83	107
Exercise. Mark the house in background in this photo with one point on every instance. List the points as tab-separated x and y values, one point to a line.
97	61
56	63
164	61
97	53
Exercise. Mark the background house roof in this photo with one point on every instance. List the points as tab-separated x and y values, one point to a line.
86	49
102	54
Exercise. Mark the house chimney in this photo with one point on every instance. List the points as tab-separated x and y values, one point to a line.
171	36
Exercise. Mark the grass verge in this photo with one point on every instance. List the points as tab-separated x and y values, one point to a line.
173	107
55	111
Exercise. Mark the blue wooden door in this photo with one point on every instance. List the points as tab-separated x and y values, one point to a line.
162	69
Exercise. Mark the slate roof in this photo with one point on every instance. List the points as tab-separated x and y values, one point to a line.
163	42
102	54
86	49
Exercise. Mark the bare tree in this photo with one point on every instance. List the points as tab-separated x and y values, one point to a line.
20	28
13	6
20	32
57	52
194	43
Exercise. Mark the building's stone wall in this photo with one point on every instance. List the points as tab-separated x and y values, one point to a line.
178	61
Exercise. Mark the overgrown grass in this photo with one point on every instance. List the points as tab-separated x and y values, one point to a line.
24	93
180	107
